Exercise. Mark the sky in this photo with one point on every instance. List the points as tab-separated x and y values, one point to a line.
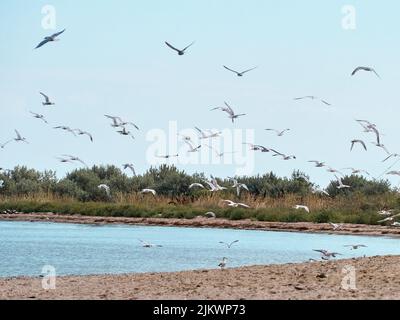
112	60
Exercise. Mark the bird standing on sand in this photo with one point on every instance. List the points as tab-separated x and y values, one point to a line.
223	263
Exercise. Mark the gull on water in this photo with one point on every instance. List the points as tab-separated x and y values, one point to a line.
180	52
51	38
239	74
46	101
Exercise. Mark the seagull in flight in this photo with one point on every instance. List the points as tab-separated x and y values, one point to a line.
118	122
229	245
74	158
298	207
38	116
314	98
53	37
317	163
213	184
393	155
81	133
336	226
106	188
239	186
129	166
167	156
355	246
257	147
326	253
368	69
239	74
380	145
65	128
192	148
125	132
46	101
284	156
210	134
3	145
393	173
332	170
217	153
180	52
196	184
356	171
19	138
235	204
341	185
353	142
318	190
152	191
279	133
231	114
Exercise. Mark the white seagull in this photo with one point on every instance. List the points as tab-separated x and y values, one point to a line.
317	163
81	133
223	263
239	186
235	204
192	148
196	184
3	145
313	98
353	142
298	207
231	114
336	226
152	191
279	133
341	185
208	134
105	187
217	153
148	245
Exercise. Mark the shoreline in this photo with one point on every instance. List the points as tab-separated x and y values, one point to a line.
309	281
202	222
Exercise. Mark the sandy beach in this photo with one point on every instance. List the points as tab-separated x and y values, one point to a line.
202	222
376	278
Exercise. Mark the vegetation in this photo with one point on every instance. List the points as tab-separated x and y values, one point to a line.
271	198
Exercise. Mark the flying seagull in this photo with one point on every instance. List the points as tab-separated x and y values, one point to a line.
257	147
180	52
336	226
393	155
235	204
279	133
192	148
341	185
284	156
74	158
229	245
326	253
167	156
393	173
298	206
81	132
314	98
239	74
355	246
65	128
217	153
239	186
196	184
229	110
129	166
353	142
125	132
3	145
368	69
49	39
152	191
355	171
46	101
317	163
210	134
19	138
38	116
105	187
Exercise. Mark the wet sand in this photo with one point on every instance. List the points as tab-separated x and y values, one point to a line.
376	278
202	222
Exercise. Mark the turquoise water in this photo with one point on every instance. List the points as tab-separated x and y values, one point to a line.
25	247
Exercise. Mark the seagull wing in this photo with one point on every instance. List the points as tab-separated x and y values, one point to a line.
57	34
42	43
230	69
45	97
248	70
172	47
184	49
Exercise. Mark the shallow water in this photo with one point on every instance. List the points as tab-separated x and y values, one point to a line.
74	249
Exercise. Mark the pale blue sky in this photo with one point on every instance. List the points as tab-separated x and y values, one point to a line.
112	59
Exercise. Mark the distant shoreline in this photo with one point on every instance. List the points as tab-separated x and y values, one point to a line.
202	222
309	280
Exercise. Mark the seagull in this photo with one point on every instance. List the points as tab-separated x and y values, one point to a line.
239	186
49	39
393	173
229	245
3	145
217	153
167	156
235	204
192	148
80	133
367	125
336	226
213	184
332	170
65	128
180	52
106	188
222	264
316	190
148	245
196	185
395	224
355	171
385	212
184	137
279	133
39	116
393	155
74	158
326	253
208	135
256	147
239	74
353	142
298	206
284	157
317	163
368	69
380	145
229	110
129	166
210	214
118	122
47	101
355	246
19	138
64	160
124	132
1	184
152	191
313	98
341	185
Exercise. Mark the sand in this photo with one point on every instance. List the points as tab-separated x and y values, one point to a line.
202	222
376	278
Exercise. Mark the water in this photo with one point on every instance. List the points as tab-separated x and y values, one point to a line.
25	247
